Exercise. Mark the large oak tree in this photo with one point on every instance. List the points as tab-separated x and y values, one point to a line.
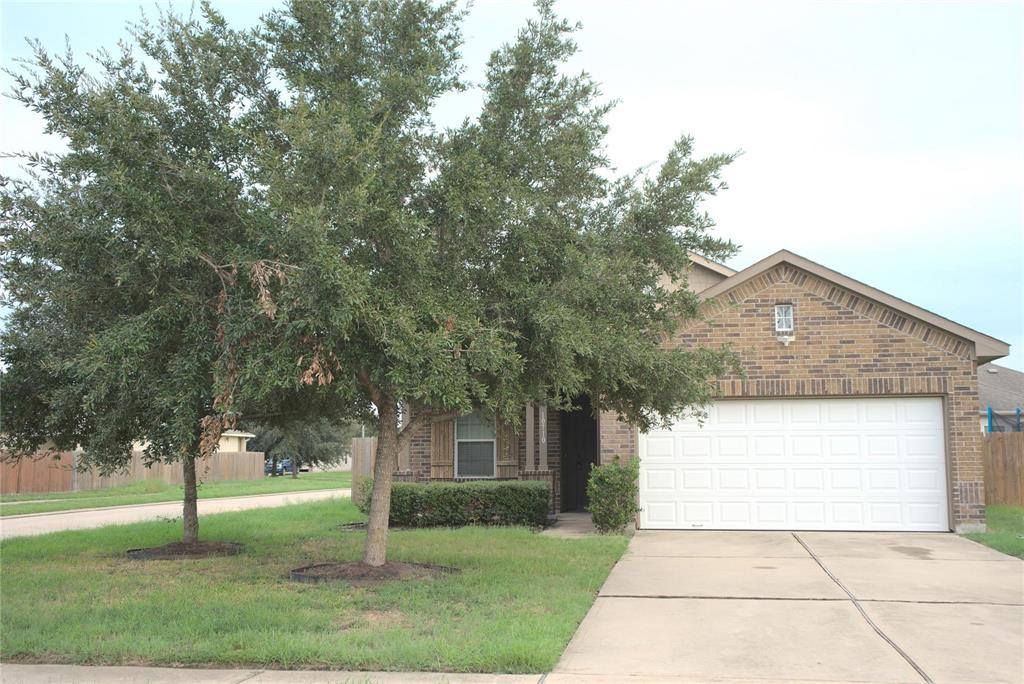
435	272
113	251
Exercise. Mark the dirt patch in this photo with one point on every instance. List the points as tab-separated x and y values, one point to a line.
362	575
383	618
180	551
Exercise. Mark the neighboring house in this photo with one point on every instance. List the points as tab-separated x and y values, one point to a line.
858	411
234	441
1000	390
231	441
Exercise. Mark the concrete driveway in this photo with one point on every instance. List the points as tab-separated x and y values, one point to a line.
808	606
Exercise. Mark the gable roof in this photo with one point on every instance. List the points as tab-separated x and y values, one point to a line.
986	348
1000	387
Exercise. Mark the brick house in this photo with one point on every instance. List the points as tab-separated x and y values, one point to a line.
858	411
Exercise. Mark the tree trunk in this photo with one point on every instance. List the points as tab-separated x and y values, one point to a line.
190	514
295	468
273	466
386	461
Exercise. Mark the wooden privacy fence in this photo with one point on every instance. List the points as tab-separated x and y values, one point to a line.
59	475
1003	454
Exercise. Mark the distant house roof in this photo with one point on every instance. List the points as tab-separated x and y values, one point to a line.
1000	387
711	265
987	348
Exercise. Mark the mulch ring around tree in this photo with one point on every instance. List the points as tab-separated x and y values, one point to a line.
181	551
362	575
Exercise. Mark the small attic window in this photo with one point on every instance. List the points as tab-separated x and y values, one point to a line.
783	318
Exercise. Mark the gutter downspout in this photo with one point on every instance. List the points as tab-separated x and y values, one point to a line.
989	419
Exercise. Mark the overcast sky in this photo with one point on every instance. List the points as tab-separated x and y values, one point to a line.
882	140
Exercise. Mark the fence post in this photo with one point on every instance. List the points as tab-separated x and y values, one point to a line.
363	451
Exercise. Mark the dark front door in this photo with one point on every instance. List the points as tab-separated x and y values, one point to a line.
579	452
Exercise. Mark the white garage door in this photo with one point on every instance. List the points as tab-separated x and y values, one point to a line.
799	464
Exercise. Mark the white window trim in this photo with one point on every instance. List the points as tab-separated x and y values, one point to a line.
792	318
494	455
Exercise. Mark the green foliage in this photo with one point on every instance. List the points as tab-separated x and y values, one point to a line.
1004	530
112	250
454	504
309	442
612	489
484	266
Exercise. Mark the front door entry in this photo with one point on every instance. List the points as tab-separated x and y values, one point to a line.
579	453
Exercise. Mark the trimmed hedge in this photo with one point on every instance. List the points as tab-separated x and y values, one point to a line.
612	489
455	504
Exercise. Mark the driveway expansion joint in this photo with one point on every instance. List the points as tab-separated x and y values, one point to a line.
863	613
251	676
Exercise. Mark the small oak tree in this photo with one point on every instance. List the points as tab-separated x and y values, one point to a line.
478	268
113	250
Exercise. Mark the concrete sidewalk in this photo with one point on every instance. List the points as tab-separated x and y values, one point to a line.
78	674
86	518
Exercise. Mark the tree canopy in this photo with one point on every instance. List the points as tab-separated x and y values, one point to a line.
110	249
500	262
273	223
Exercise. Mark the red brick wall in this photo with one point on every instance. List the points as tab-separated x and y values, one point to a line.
846	345
615	439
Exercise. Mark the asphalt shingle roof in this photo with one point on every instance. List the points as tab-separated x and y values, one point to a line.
1000	387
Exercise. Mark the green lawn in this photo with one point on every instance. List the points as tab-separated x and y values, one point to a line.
154	492
72	597
1005	530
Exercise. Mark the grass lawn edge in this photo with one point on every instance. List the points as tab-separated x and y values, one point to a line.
513	607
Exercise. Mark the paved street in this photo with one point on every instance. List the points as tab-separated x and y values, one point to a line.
42	523
811	606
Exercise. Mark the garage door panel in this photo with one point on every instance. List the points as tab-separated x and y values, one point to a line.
660	479
732	447
882	446
848	513
697	480
661	514
660	448
729	413
843	446
927	481
695	447
770	480
808	479
871	464
698	513
733	478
